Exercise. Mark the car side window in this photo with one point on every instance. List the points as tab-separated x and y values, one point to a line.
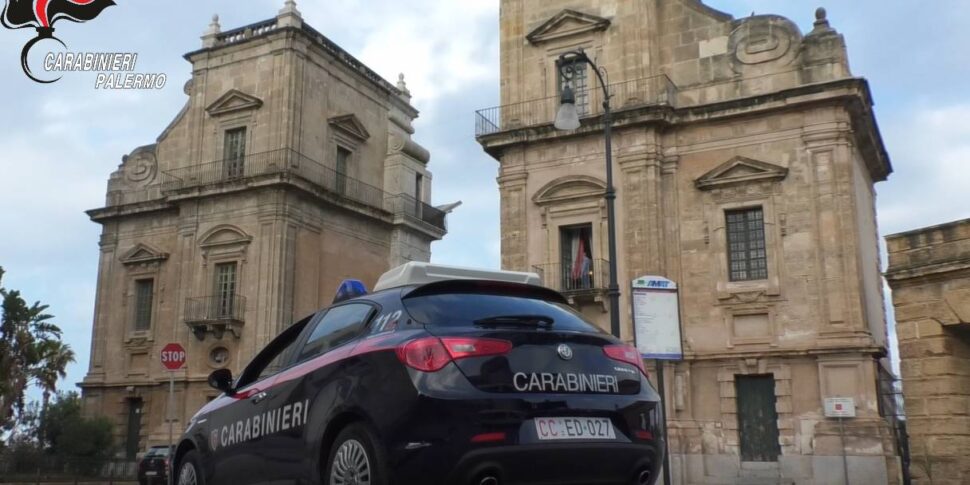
340	325
274	356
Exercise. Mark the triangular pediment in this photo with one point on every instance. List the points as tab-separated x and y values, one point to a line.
570	187
567	23
234	100
143	253
740	170
350	125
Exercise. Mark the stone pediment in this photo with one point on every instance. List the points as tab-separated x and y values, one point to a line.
566	24
571	187
224	235
234	100
143	253
740	170
350	125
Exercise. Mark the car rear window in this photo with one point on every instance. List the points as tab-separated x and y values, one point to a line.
157	451
463	309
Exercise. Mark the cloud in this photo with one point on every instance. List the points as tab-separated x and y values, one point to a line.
441	47
931	154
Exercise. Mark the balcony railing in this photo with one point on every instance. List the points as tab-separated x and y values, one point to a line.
279	165
216	309
574	277
409	207
648	91
274	163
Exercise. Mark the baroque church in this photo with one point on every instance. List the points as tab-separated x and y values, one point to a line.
290	167
746	155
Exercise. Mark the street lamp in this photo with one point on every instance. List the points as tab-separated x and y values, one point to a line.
567	118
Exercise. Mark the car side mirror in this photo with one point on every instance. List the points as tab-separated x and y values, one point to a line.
221	379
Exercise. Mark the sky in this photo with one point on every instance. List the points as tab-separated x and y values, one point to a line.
59	143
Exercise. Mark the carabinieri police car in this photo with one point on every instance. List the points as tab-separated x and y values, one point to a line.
442	375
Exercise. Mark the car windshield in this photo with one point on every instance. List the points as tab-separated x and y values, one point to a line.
471	309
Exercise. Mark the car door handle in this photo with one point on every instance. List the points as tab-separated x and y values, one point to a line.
258	397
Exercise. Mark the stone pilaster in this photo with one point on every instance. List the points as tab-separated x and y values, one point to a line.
515	242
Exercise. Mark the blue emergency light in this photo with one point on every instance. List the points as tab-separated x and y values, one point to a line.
349	289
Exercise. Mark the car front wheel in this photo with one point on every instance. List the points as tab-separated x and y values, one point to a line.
356	458
190	470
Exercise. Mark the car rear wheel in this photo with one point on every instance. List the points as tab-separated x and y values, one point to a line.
356	458
190	470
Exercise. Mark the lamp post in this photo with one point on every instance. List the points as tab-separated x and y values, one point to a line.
567	118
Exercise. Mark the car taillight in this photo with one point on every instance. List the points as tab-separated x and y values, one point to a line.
625	353
431	354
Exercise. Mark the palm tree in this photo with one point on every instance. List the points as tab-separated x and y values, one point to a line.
54	357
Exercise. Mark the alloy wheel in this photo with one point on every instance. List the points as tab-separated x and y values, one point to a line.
187	475
351	466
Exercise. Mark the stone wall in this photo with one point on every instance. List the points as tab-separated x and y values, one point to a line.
929	272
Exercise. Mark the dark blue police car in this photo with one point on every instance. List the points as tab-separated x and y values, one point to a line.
440	376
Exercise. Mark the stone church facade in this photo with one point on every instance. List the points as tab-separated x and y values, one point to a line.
745	159
290	168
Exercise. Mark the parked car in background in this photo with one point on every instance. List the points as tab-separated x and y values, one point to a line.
153	467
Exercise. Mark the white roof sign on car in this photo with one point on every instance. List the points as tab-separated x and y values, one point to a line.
417	273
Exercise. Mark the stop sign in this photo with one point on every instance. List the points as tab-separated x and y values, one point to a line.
173	356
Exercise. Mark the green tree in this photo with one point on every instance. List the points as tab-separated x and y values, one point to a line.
69	434
54	356
25	331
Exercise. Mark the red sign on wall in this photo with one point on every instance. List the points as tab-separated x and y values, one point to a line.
173	356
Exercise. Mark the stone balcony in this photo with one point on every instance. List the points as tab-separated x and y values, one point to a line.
215	314
578	283
624	96
274	167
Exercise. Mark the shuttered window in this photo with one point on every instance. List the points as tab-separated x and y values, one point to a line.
225	290
342	166
144	296
234	153
747	258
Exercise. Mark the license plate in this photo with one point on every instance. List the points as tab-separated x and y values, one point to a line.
574	429
151	474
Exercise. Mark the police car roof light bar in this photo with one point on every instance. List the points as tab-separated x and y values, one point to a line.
349	289
417	273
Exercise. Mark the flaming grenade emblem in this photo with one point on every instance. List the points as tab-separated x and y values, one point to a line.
41	15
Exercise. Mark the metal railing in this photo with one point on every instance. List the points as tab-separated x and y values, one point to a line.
891	407
282	162
575	277
216	308
409	207
648	91
52	469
